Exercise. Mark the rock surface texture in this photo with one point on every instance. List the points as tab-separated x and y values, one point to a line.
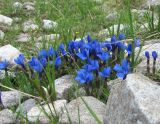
135	100
84	114
48	24
63	84
4	20
7	117
37	113
9	53
23	37
26	106
29	25
51	37
10	98
2	35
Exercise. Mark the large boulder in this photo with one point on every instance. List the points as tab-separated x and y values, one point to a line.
135	100
37	114
9	53
77	106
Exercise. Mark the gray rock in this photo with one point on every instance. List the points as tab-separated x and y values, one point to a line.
3	74
152	41
9	53
7	117
62	85
105	32
48	24
26	106
135	100
29	25
29	6
112	16
141	13
113	82
153	2
145	27
98	1
10	98
51	37
17	5
23	37
2	35
4	20
37	114
142	67
84	114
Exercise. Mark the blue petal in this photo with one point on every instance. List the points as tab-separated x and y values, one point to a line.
154	55
81	56
118	68
120	75
147	54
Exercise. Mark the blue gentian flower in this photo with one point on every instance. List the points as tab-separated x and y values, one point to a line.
56	53
81	44
71	47
120	45
92	46
94	64
88	67
105	73
147	54
84	54
123	69
108	45
114	42
3	65
129	49
137	42
43	61
154	55
57	61
36	65
51	52
62	49
42	54
113	39
122	36
84	77
103	56
20	60
89	38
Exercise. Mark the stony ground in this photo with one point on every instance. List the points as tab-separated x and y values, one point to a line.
27	26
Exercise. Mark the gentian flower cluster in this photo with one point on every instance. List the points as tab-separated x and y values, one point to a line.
97	60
